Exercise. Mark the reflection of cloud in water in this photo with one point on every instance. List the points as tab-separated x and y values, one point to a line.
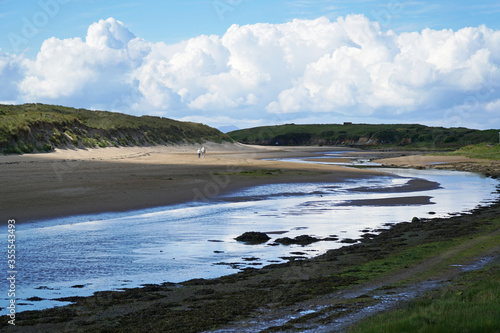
176	243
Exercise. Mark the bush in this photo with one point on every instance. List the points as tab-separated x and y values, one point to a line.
26	148
73	136
89	142
56	137
12	150
45	148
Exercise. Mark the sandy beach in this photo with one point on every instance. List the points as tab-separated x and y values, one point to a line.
63	183
74	182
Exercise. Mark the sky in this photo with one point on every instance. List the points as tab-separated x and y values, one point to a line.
252	62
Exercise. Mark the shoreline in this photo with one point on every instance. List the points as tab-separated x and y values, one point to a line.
350	279
67	183
198	304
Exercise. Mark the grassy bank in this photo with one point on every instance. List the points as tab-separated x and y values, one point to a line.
470	303
39	128
482	151
464	302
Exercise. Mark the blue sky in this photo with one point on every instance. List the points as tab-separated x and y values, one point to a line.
286	61
174	21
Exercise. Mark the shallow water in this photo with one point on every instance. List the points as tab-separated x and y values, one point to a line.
329	157
78	256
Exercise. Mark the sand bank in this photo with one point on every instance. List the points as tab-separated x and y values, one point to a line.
425	160
488	168
75	182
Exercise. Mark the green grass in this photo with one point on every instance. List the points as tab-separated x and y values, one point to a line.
470	304
377	268
412	136
34	127
483	151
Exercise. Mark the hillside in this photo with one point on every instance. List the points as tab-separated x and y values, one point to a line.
40	128
410	135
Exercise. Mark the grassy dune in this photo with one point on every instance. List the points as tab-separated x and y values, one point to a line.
38	127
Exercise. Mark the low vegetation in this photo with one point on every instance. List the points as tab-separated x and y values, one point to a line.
411	136
483	151
470	304
32	128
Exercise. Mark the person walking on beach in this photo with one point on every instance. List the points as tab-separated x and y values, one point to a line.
199	153
203	150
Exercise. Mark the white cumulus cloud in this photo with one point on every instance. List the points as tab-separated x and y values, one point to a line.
93	72
268	73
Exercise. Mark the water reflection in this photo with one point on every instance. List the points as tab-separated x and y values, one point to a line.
78	256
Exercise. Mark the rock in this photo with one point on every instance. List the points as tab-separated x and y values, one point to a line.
250	259
368	235
284	241
253	237
348	241
301	240
305	239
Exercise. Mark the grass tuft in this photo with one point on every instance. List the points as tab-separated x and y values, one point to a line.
470	304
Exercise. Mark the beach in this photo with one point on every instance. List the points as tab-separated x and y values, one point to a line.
74	182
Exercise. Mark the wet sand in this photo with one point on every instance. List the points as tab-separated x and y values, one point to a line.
64	183
74	182
425	160
330	160
400	201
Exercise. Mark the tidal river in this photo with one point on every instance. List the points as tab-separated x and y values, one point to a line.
78	256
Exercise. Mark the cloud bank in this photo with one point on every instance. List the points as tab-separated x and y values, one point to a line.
304	70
